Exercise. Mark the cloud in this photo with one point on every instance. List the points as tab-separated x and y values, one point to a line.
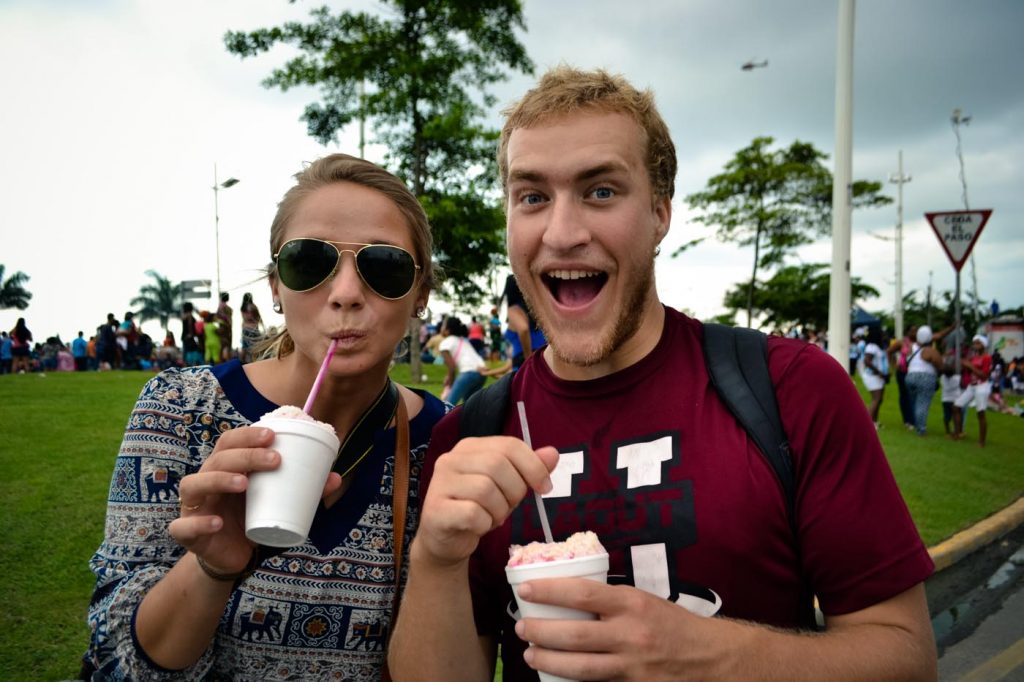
116	113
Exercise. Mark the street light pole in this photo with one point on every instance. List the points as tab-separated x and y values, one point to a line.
217	187
899	179
928	300
957	119
842	190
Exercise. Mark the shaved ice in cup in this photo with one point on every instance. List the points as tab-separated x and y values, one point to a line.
293	412
580	556
280	504
577	545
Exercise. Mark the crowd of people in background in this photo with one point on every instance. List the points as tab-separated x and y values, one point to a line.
121	344
924	363
463	349
206	339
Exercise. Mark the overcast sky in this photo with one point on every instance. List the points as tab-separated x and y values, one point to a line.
115	113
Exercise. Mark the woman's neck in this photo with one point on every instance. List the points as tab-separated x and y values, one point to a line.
343	400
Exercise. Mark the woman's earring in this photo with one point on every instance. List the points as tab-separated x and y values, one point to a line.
657	251
277	306
422	312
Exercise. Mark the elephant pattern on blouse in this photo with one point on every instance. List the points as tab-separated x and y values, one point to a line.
370	636
160	483
262	622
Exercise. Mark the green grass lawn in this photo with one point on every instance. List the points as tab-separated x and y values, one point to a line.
949	485
61	433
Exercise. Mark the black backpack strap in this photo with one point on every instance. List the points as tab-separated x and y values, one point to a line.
483	413
737	362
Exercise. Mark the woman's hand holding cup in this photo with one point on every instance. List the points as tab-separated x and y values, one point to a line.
212	521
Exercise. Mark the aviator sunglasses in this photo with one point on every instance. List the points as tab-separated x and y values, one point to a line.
306	263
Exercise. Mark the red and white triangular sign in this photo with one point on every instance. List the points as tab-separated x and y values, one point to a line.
957	231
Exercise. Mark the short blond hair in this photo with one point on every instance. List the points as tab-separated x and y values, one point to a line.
566	90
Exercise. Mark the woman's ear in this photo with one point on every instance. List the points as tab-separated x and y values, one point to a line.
421	303
274	285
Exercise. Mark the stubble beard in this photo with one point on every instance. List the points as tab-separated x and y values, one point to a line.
626	324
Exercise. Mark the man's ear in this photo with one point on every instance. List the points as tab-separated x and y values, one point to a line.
663	215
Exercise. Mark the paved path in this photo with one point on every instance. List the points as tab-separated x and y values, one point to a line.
995	650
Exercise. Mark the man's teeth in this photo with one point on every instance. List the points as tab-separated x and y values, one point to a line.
572	274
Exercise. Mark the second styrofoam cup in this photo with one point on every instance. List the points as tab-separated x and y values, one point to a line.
593	567
280	504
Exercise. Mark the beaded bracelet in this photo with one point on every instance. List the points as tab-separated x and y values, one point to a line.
254	561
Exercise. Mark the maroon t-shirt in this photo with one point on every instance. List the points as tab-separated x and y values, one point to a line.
652	461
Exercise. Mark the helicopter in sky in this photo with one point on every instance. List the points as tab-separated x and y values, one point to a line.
751	65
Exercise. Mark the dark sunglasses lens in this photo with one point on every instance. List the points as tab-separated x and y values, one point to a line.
388	270
304	263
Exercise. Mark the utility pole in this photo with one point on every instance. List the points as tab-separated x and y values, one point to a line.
899	179
362	119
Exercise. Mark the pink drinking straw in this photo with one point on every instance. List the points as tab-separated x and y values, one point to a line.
320	376
536	495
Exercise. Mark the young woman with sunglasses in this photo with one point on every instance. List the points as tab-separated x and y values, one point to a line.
181	592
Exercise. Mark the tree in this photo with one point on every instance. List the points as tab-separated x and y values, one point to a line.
469	251
727	318
938	310
421	60
13	293
796	295
158	300
779	199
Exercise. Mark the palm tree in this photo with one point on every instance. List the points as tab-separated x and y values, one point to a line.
13	293
157	300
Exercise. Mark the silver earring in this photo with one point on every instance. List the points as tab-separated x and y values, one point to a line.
657	250
277	306
421	312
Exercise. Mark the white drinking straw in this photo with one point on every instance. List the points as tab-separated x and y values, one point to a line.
320	376
536	495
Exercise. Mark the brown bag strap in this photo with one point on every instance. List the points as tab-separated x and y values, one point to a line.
399	505
400	488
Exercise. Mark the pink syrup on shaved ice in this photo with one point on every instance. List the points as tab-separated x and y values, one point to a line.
577	545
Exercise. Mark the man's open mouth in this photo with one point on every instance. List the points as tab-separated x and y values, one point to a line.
574	288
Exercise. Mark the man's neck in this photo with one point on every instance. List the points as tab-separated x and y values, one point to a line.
628	353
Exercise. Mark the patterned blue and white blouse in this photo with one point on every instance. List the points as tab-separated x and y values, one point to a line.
317	611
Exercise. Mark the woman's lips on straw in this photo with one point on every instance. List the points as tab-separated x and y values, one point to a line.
347	337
